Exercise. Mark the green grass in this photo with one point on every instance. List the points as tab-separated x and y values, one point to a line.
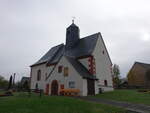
21	103
127	95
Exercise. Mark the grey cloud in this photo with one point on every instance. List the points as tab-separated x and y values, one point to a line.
29	28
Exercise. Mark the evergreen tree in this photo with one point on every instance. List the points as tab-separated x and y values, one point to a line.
10	82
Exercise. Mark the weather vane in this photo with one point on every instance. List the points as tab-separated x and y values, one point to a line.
73	18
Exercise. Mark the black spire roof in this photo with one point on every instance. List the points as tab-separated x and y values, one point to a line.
72	36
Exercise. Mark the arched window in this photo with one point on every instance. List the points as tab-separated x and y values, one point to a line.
105	82
38	75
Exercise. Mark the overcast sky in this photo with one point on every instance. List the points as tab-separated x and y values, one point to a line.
29	28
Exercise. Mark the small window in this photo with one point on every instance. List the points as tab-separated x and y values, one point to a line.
71	84
62	86
38	75
36	86
60	69
105	83
68	32
103	52
66	71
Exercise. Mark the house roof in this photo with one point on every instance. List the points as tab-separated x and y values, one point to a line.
58	54
144	65
25	79
52	55
85	46
80	68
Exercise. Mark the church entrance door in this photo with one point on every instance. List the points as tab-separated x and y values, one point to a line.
54	87
91	86
47	89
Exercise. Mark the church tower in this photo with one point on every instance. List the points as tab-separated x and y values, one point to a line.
72	35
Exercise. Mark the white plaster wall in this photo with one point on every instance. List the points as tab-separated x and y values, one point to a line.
44	69
103	64
84	61
96	87
73	76
84	82
106	89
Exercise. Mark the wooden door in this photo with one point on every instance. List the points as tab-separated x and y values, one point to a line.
91	86
47	89
54	87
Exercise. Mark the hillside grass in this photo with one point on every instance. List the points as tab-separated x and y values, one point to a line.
132	96
21	103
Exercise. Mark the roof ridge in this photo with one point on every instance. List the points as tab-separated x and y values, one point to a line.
141	63
57	45
90	35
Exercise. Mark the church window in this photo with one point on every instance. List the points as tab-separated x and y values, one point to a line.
66	71
38	75
71	84
103	52
105	83
60	69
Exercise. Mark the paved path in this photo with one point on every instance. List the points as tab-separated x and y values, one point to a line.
138	108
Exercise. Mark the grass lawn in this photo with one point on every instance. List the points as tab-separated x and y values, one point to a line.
127	95
21	103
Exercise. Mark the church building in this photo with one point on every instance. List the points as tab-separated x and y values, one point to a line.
81	64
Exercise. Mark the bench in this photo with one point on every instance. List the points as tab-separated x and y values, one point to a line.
69	92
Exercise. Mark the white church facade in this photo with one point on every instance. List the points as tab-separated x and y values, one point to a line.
81	64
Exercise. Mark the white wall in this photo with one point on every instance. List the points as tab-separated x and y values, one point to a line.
84	82
85	62
73	76
96	87
103	64
44	69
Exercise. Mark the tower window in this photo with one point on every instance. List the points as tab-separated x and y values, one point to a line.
68	32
